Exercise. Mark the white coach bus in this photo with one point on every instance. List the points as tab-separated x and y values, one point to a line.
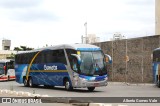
7	71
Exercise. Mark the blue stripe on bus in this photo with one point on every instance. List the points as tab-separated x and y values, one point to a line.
96	78
47	78
59	66
21	70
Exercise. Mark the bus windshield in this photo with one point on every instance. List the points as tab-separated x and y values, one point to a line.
2	68
93	63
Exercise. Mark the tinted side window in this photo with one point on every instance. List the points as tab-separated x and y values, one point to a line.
10	65
156	56
61	56
24	58
69	52
38	59
51	56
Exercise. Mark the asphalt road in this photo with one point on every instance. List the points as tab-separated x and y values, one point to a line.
112	90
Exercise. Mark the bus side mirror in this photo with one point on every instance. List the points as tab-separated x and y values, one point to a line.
78	58
108	59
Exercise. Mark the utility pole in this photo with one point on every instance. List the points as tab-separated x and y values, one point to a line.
126	62
142	63
85	24
82	39
112	59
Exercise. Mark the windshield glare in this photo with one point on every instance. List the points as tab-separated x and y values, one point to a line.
93	63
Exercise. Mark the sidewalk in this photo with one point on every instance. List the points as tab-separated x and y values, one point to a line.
130	84
2	95
13	95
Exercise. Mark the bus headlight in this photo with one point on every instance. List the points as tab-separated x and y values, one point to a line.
82	79
106	78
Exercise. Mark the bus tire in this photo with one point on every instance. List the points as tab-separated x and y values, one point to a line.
25	82
158	84
8	78
68	85
91	89
30	82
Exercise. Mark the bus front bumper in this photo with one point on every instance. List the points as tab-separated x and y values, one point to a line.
84	83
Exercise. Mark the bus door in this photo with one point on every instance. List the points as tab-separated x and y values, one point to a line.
10	72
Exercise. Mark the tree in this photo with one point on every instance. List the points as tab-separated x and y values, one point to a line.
17	49
23	48
11	56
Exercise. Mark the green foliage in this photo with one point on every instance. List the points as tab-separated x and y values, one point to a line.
11	56
23	48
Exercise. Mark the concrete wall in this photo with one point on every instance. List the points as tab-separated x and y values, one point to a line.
139	67
157	17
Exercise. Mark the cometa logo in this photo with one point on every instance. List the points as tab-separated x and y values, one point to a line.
50	67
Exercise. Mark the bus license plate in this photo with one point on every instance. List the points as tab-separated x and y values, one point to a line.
96	84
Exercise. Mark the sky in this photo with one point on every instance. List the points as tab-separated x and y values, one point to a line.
35	23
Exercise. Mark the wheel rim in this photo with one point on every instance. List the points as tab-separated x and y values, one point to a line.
67	85
30	82
25	82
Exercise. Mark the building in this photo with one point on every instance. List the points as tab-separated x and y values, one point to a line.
4	54
157	17
6	44
118	36
91	38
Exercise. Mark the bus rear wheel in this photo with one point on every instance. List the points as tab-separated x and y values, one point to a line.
30	81
67	85
158	83
91	89
8	78
25	82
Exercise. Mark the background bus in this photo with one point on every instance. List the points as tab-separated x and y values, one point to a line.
156	66
72	66
7	71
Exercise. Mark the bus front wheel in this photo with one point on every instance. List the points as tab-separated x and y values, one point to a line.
91	88
67	85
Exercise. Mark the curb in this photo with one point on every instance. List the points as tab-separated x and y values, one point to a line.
130	84
99	104
57	100
20	93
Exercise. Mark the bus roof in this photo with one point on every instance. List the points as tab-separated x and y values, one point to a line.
80	47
